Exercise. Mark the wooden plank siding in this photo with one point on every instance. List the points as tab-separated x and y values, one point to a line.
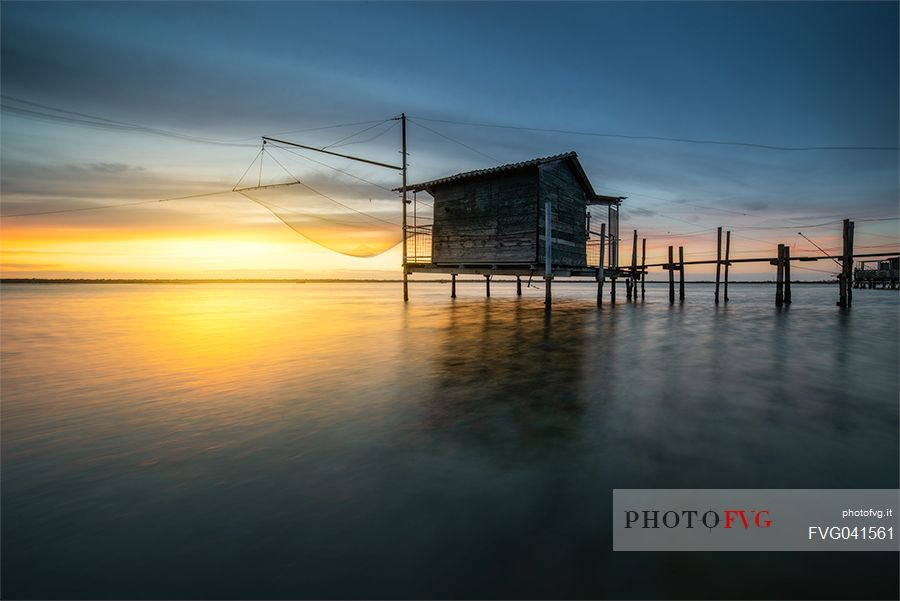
564	191
486	220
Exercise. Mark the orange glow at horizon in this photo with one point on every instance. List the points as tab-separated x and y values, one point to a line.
274	250
269	251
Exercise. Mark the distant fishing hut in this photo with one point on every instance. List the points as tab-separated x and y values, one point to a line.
868	274
531	218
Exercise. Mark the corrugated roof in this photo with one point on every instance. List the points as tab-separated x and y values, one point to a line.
566	156
491	170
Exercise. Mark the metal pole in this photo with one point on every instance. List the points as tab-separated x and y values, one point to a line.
337	154
405	169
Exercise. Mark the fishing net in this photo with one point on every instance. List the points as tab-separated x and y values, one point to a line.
356	219
335	224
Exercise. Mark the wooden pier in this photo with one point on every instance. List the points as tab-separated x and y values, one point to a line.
607	268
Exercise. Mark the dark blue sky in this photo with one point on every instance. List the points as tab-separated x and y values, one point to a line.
794	74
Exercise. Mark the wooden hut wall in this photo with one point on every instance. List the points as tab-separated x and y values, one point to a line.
563	189
489	220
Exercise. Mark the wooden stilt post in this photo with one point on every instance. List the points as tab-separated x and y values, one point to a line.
628	289
548	256
727	260
518	285
779	277
632	288
787	275
487	285
453	285
643	266
614	265
718	261
844	279
849	254
671	278
601	272
681	273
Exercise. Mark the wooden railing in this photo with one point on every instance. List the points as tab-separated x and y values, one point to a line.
418	244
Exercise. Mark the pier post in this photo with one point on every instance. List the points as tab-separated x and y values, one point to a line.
846	277
518	285
787	275
727	260
548	256
643	266
452	285
601	272
628	289
779	277
487	285
849	254
632	289
671	278
614	265
718	261
681	273
842	289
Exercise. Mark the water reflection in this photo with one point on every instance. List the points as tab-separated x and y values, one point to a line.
509	377
312	441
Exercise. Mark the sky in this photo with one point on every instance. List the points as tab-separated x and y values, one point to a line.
220	75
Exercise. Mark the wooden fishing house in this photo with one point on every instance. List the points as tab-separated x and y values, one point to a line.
539	217
524	219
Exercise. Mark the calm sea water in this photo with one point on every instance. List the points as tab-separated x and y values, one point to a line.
326	441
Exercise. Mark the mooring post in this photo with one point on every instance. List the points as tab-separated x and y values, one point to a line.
452	285
846	257
779	277
601	272
614	265
487	285
643	265
787	275
518	285
727	260
681	273
718	260
548	255
671	278
632	289
849	254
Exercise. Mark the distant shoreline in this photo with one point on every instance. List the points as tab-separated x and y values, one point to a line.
335	281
